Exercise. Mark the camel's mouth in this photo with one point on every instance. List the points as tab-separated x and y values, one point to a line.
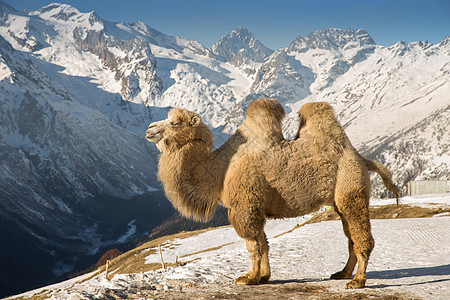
153	137
149	137
154	133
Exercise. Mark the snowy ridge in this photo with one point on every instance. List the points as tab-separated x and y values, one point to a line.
47	138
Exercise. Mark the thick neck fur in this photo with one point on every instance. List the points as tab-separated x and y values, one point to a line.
187	181
193	175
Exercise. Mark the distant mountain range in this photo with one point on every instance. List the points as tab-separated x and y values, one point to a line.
77	93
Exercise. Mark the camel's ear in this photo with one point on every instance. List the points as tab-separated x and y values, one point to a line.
195	120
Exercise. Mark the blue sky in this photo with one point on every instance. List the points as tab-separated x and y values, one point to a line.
275	23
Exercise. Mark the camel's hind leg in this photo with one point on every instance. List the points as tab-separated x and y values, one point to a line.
354	212
347	272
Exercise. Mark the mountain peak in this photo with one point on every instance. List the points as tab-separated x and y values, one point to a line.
70	15
241	33
59	11
238	40
332	38
6	7
446	41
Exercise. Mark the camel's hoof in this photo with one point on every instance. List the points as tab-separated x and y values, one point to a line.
246	280
264	279
341	275
356	284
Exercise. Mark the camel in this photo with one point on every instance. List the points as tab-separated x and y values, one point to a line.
257	175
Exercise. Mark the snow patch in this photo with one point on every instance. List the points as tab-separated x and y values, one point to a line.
408	257
131	231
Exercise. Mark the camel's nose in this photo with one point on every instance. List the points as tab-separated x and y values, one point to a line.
151	131
154	132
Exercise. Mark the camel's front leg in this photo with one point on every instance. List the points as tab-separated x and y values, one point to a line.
259	261
254	275
249	224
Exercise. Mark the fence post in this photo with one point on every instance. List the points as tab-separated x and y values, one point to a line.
161	256
107	267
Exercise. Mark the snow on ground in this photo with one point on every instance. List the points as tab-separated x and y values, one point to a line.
411	257
427	201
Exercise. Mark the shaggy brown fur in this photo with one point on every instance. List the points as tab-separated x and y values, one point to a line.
256	174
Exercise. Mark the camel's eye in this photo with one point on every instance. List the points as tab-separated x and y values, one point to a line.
175	123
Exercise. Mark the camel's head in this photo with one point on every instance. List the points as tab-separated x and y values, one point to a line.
180	128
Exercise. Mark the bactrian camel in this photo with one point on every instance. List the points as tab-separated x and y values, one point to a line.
257	175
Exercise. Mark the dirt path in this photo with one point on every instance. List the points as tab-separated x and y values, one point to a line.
289	289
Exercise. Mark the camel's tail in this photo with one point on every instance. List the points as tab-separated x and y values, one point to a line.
385	175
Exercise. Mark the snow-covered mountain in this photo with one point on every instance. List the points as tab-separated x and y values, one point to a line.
77	93
309	65
70	152
241	49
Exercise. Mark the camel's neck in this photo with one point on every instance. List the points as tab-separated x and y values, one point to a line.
193	177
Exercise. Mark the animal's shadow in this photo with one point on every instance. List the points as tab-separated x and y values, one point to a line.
443	270
413	272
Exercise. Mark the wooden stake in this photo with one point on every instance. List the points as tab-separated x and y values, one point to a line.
161	256
107	267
